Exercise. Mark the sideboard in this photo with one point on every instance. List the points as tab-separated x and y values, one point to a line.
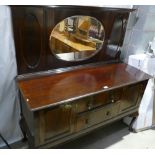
70	76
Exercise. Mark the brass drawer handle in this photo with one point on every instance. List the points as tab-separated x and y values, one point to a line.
68	106
112	98
112	101
89	106
86	121
108	113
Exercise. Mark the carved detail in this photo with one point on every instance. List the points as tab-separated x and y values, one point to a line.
31	41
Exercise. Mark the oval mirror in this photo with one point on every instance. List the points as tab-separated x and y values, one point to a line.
77	38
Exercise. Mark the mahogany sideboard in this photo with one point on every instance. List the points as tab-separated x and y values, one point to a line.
65	99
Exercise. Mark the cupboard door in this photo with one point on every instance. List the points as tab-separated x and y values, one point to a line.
55	123
131	97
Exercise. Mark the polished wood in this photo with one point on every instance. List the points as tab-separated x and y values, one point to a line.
33	26
56	124
48	90
63	100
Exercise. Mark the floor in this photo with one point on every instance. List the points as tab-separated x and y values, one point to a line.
114	136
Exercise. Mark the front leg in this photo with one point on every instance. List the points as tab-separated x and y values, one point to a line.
134	116
22	126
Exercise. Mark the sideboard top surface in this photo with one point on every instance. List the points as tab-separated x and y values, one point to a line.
51	90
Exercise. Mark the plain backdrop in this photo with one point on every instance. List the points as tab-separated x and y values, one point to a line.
9	107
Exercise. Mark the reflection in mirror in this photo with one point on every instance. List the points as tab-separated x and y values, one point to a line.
77	38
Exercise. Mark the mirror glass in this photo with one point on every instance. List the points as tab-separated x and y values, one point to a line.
77	38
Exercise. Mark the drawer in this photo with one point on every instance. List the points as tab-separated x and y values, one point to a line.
107	97
101	99
96	116
83	105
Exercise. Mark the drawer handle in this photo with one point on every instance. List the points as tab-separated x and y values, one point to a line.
112	98
89	106
87	121
108	113
112	101
68	106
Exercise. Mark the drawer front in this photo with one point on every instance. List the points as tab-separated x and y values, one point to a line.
101	99
83	105
107	97
107	105
98	115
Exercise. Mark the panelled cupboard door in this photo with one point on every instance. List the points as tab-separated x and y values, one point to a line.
131	96
56	123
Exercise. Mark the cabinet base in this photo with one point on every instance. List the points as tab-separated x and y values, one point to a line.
51	144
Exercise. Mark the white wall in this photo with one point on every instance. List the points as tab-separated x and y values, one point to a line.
140	30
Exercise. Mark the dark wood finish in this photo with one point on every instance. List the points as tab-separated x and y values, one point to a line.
58	114
63	100
51	89
34	24
55	124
